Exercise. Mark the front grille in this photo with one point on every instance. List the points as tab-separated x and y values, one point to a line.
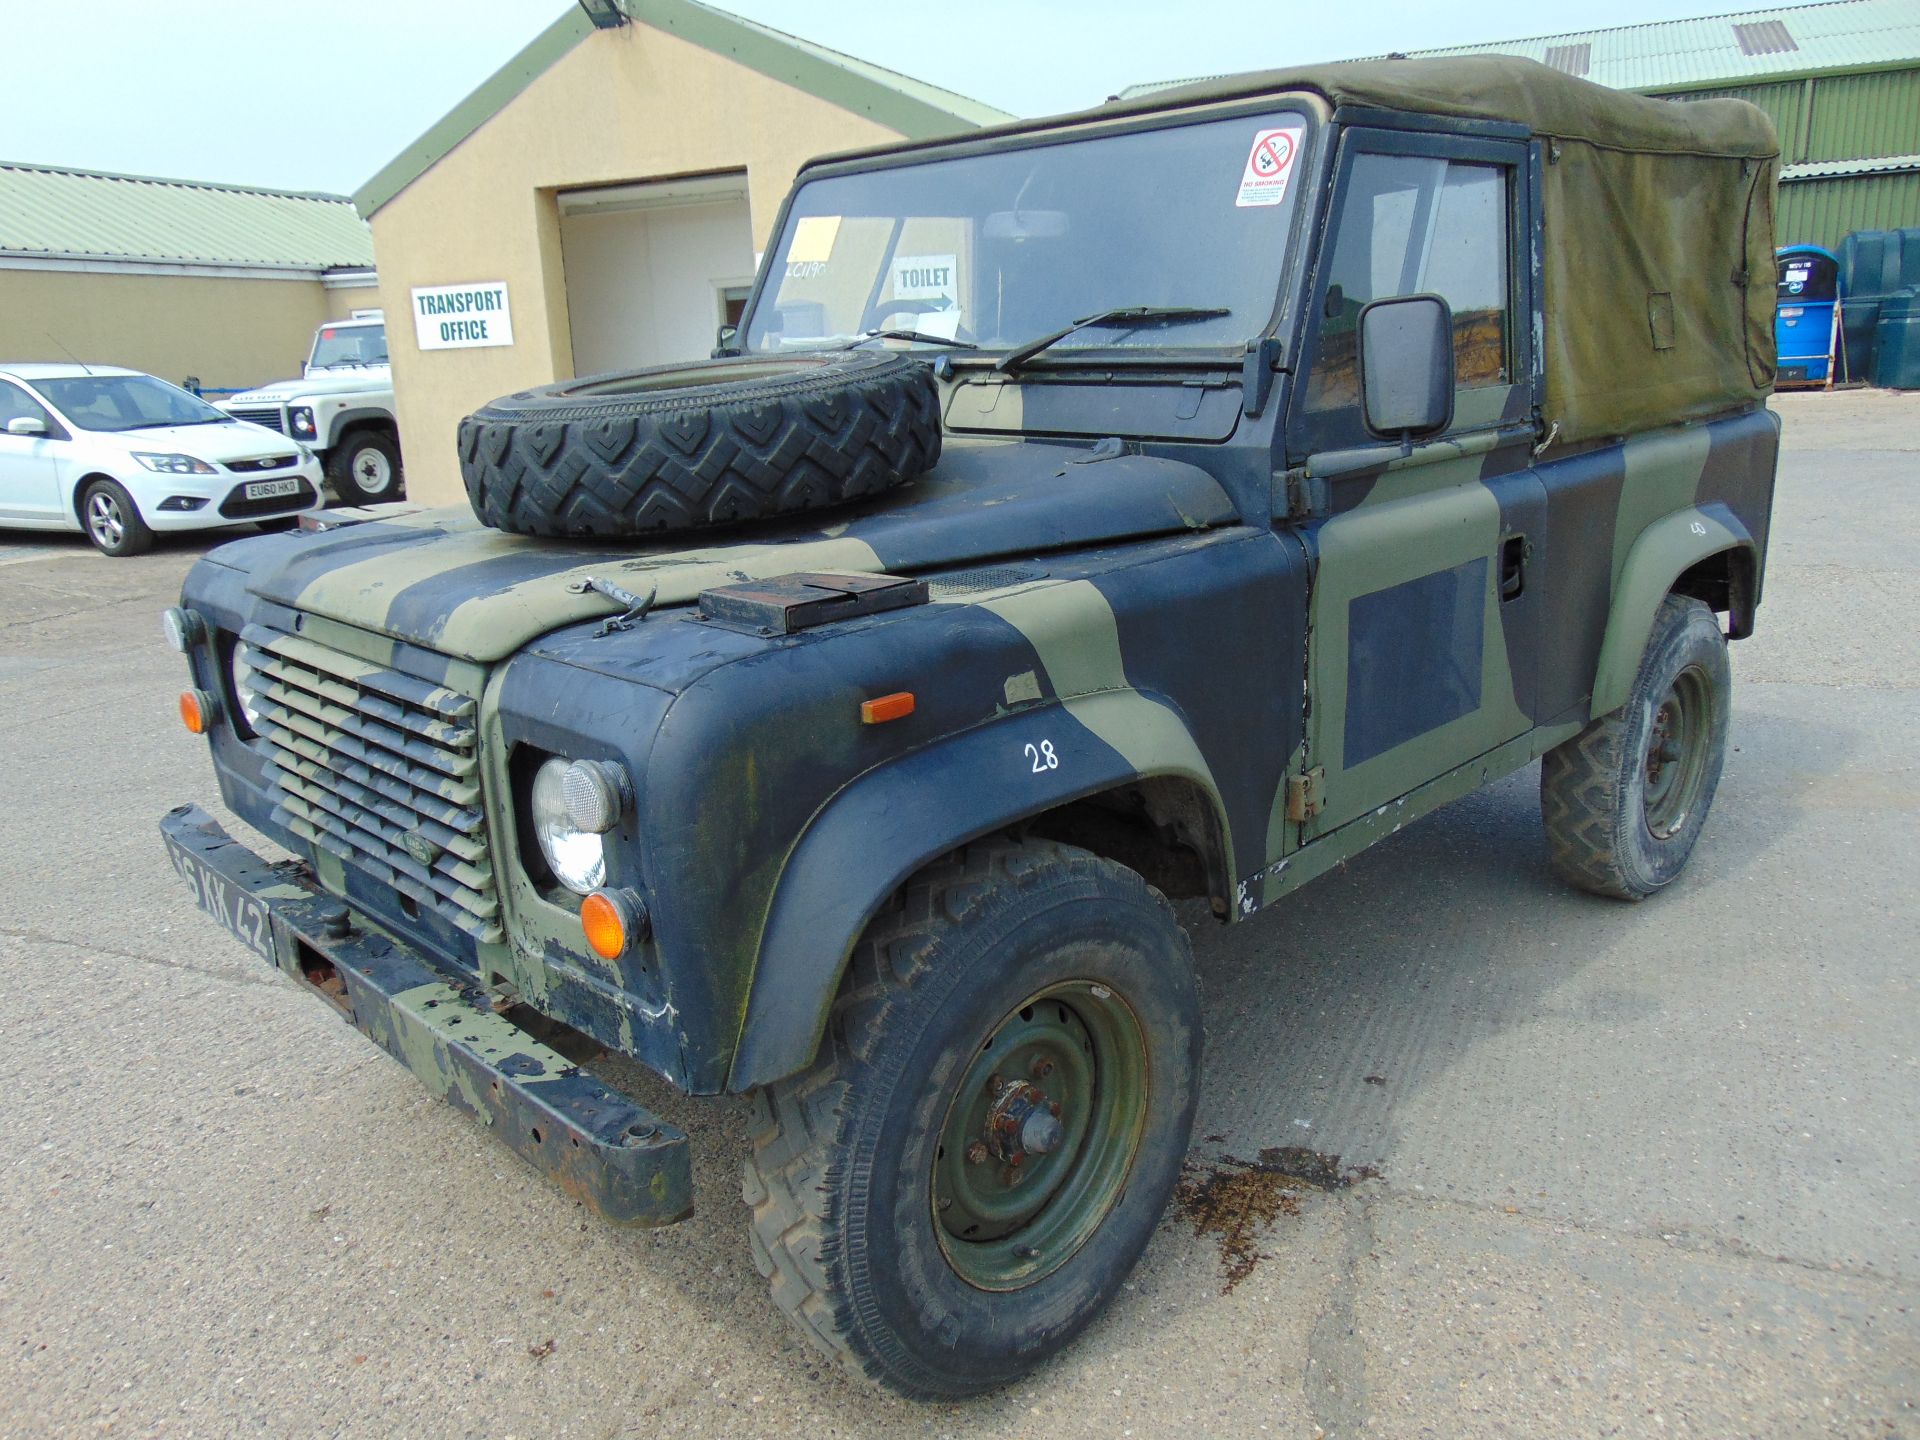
265	462
238	507
271	416
380	769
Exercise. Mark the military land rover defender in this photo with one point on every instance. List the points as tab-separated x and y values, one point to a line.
1164	501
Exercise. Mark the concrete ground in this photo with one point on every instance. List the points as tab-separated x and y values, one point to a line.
1645	1170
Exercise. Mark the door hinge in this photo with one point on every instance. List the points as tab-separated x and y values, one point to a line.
1306	794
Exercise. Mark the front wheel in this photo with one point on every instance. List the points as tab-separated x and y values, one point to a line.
996	1121
1625	799
364	467
113	521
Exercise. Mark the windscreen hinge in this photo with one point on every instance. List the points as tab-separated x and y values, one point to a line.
1256	374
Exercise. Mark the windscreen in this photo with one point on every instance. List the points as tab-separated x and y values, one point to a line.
347	345
127	402
999	248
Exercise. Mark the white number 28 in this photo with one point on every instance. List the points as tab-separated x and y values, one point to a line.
1042	757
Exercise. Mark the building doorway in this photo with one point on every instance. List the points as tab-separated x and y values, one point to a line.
653	269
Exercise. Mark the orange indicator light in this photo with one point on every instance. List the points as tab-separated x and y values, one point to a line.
196	711
883	708
605	922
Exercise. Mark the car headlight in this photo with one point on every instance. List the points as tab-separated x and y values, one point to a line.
174	464
578	858
300	421
246	707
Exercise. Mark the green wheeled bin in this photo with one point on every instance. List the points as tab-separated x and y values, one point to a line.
1896	341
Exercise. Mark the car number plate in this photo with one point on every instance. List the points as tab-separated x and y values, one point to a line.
269	489
242	912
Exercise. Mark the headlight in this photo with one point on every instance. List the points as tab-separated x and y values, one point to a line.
300	421
174	464
578	858
244	703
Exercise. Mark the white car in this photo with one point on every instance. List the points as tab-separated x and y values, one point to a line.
121	455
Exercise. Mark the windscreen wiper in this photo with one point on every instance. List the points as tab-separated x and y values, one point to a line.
919	335
1136	315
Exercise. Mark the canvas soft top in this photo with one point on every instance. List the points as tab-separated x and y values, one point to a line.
1658	231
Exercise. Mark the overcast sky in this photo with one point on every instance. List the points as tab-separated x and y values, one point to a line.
319	94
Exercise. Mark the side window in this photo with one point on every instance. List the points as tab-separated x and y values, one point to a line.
1416	225
16	404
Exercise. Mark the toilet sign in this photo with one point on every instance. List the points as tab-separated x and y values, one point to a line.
462	317
1269	163
925	277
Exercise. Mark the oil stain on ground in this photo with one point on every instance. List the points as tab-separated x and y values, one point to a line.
1235	1200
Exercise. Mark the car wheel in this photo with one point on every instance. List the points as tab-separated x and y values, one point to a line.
112	520
1624	800
997	1118
364	468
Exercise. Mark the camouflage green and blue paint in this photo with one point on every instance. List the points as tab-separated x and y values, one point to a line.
1091	626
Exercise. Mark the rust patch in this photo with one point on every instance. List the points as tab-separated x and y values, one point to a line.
1236	1200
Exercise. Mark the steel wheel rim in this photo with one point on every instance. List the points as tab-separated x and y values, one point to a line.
1007	1217
371	470
104	519
1675	762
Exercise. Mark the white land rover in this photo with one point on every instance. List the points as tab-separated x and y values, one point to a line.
342	408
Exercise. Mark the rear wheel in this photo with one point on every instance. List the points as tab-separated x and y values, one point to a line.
113	521
998	1116
364	468
1625	799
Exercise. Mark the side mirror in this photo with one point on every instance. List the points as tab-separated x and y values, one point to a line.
726	342
26	425
1406	366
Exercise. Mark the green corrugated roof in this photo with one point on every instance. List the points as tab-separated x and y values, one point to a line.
48	211
1716	50
910	107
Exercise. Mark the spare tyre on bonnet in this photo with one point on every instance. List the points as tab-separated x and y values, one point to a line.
711	442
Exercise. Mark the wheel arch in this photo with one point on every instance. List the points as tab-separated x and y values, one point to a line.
1132	786
80	490
1703	551
363	418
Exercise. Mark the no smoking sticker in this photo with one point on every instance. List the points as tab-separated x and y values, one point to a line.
1269	163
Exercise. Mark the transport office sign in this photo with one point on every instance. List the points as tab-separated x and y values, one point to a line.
462	317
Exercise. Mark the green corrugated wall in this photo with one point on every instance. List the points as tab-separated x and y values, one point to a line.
1821	212
1840	117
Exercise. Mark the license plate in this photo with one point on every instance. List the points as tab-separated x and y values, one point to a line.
242	912
270	489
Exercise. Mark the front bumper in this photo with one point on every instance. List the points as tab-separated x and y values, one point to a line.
596	1144
226	500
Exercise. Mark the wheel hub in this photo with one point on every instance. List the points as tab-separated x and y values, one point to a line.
1676	750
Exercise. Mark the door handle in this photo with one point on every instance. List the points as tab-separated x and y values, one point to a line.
1513	567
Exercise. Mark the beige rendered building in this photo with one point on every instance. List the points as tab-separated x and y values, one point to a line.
618	178
221	285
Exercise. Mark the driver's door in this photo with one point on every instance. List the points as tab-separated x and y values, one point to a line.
1425	597
29	464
